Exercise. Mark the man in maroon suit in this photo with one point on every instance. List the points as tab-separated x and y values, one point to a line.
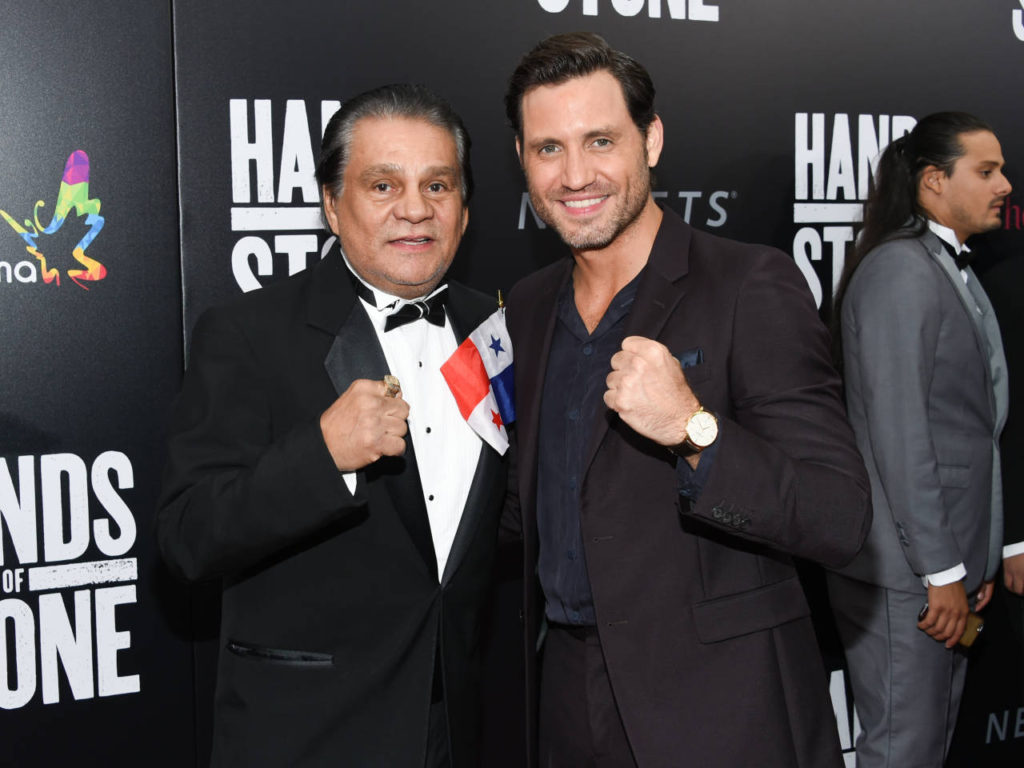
681	436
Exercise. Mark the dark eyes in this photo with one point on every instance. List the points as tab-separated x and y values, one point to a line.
550	149
435	187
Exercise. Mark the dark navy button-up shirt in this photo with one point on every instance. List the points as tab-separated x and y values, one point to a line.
574	387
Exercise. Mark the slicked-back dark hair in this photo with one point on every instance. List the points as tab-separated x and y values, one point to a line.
561	58
400	100
892	210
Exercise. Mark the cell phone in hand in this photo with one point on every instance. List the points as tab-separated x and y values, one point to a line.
975	624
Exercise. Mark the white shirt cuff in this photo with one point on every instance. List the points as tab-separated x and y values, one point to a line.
350	481
948	576
1013	549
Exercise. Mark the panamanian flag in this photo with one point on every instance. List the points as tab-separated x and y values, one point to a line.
480	375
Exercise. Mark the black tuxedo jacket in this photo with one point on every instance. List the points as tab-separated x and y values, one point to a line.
703	623
332	609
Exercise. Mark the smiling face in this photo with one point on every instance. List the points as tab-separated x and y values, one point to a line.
587	164
400	214
970	199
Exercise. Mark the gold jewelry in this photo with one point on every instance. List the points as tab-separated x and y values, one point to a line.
392	387
701	431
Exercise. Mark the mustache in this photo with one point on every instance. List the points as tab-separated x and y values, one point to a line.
591	190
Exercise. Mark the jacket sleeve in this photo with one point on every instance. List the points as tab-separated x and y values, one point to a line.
787	473
237	488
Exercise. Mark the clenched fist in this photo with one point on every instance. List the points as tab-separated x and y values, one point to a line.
648	390
364	424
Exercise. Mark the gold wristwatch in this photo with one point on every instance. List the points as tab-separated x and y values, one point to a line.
701	431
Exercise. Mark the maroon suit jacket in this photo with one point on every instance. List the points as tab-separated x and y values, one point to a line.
704	625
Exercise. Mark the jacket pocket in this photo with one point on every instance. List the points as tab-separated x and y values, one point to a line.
692	363
753	611
280	655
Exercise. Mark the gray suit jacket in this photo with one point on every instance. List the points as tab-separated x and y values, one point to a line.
927	397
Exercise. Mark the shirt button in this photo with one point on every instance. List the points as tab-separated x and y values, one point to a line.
574	414
575	615
572	483
430	497
571	554
421	363
428	430
588	349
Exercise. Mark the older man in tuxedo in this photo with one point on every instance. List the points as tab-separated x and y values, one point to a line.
350	519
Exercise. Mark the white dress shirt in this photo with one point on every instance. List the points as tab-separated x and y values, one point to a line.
447	450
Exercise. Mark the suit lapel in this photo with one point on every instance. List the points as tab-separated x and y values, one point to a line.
402	478
538	322
994	346
488	474
660	290
978	309
466	310
356	354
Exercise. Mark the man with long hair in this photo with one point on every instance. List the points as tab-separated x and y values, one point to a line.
926	393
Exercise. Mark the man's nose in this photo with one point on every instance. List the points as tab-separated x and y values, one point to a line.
577	171
1005	187
413	206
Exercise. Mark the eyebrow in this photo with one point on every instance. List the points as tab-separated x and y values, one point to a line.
594	133
388	169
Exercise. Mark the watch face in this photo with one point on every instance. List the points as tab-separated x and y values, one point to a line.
702	429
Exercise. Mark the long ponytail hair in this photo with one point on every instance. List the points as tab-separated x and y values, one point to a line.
892	210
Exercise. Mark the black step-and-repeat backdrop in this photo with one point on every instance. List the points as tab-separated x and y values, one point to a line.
95	652
157	157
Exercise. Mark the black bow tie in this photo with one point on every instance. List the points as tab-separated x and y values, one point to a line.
962	259
430	309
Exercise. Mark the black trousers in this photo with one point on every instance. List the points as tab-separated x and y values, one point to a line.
580	726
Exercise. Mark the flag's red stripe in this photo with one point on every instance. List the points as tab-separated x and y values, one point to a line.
466	376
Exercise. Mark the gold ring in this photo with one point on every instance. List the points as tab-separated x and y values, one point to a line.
392	388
